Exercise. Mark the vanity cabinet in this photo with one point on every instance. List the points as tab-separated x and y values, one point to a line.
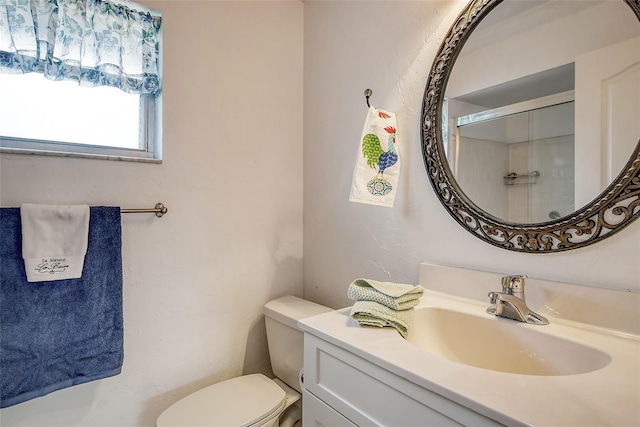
462	366
343	389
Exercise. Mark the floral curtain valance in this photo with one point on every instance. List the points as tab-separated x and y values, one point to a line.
93	42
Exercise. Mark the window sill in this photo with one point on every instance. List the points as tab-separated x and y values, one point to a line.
124	158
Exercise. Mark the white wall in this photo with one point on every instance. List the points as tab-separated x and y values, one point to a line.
389	47
195	280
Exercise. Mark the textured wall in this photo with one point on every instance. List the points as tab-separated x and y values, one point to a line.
232	178
194	281
389	47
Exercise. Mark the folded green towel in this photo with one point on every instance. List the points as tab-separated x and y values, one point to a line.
369	313
396	296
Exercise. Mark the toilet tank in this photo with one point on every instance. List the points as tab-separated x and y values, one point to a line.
286	340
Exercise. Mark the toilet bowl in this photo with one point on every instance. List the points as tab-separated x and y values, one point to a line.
255	400
249	400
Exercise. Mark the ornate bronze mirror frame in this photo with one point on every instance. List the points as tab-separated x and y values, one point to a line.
615	208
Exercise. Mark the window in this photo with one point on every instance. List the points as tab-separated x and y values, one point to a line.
99	103
63	117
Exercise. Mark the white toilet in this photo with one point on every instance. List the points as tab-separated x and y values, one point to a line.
255	400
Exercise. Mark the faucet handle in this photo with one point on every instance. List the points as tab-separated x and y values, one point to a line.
513	284
517	283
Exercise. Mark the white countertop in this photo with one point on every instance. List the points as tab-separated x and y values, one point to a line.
606	397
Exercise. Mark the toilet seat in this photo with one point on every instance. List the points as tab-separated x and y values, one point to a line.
241	401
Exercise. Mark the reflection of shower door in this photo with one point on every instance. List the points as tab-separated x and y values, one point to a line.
517	164
551	155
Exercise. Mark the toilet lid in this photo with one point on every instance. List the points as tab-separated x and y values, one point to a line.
240	401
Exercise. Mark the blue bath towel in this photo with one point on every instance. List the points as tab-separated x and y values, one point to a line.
61	333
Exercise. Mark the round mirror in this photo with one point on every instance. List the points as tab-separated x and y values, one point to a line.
530	129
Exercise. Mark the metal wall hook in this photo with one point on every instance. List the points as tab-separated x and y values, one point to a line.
367	95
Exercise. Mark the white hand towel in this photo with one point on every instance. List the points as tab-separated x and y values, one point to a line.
396	296
54	241
375	177
369	313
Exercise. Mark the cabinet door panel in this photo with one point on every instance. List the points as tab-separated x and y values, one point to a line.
316	413
371	396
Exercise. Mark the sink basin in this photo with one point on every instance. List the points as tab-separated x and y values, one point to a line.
503	345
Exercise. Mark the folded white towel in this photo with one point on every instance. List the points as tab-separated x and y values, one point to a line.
369	313
54	241
377	169
396	296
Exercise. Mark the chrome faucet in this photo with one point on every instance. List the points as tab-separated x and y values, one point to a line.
510	303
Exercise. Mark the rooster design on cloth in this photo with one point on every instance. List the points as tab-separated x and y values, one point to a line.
377	165
380	159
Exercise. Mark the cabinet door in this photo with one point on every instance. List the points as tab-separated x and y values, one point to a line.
368	395
316	413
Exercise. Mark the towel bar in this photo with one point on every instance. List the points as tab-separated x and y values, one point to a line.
159	210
